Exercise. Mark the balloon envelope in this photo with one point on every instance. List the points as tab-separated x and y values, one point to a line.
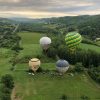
45	42
73	39
62	66
34	64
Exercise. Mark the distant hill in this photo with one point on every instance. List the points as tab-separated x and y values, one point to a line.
86	24
68	20
26	20
4	20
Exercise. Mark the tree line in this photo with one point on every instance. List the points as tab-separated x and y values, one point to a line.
87	57
9	37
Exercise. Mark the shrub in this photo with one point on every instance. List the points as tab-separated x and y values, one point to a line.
51	52
5	96
83	97
64	97
4	89
30	71
71	29
94	72
47	71
24	59
79	67
6	86
87	41
8	81
39	70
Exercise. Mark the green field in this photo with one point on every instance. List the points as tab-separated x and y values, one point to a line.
91	47
5	55
48	87
45	86
98	42
30	38
30	43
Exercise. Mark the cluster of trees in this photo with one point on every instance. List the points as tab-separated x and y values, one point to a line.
86	40
49	29
79	67
94	72
8	36
87	57
87	25
39	27
5	25
6	86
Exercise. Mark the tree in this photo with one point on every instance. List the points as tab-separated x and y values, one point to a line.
71	29
8	81
51	52
64	97
4	93
83	97
94	72
16	47
5	96
4	89
79	67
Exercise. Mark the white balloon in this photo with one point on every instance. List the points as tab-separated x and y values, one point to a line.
45	42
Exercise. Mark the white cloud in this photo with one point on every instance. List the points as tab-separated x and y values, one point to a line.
33	14
48	8
9	1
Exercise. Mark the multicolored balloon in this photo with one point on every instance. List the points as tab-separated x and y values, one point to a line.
73	39
62	66
34	64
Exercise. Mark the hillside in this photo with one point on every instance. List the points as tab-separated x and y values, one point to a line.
20	42
86	25
26	20
43	86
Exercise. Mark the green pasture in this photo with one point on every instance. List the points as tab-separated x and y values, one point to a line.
46	86
91	47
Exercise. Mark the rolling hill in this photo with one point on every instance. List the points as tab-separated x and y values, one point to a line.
48	85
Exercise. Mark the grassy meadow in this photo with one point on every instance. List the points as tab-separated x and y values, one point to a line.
46	86
91	47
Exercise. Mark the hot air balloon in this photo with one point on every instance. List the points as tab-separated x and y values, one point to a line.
45	42
72	40
34	64
62	66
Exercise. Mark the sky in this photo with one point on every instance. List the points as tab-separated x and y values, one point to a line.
48	8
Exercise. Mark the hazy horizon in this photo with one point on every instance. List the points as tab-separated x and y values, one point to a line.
48	8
